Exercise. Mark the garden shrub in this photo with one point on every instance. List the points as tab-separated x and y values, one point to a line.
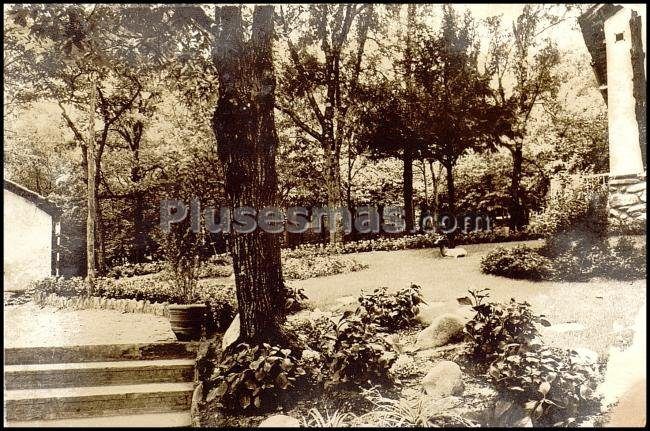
578	209
549	383
573	260
134	269
554	388
309	266
392	311
497	327
409	242
254	377
520	262
357	353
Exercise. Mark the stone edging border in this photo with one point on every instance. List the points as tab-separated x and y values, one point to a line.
101	303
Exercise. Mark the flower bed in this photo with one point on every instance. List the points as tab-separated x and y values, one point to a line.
135	295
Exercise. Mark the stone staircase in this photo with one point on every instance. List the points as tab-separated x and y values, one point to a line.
148	385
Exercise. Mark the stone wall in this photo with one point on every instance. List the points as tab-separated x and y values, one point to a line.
627	198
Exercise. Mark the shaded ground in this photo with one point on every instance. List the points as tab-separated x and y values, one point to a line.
596	314
29	325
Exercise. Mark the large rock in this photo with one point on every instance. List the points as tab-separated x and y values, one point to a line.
197	399
636	208
638	187
444	379
428	313
623	200
280	421
442	330
232	333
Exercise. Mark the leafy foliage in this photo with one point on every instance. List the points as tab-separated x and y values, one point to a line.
577	209
518	262
498	327
254	377
392	311
220	299
358	354
296	300
309	266
552	385
578	261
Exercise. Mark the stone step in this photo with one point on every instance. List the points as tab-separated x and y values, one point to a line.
162	420
65	403
37	376
99	353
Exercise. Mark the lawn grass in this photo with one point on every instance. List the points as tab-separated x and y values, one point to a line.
604	307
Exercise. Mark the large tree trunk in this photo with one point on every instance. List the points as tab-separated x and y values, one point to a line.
139	236
517	216
435	180
451	201
408	189
244	127
333	187
91	189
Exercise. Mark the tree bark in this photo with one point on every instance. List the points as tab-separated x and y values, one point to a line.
451	200
517	216
244	126
91	189
408	189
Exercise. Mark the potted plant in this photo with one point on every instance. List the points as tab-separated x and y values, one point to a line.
181	246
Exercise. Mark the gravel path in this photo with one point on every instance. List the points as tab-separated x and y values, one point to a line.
29	325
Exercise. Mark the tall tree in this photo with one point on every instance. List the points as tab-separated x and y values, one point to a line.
244	127
457	93
520	56
318	94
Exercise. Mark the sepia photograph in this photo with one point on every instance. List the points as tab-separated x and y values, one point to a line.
328	215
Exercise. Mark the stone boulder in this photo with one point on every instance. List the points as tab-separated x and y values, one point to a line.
428	313
280	421
445	379
232	333
444	329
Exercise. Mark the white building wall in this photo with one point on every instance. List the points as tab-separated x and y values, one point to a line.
27	242
624	149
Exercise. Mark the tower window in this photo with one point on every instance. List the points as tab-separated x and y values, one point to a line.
619	36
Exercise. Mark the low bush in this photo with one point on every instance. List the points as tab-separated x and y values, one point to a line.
356	353
520	262
497	327
578	208
254	377
552	386
310	266
409	242
569	260
392	311
134	269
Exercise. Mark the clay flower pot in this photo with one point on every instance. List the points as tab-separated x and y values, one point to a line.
186	320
